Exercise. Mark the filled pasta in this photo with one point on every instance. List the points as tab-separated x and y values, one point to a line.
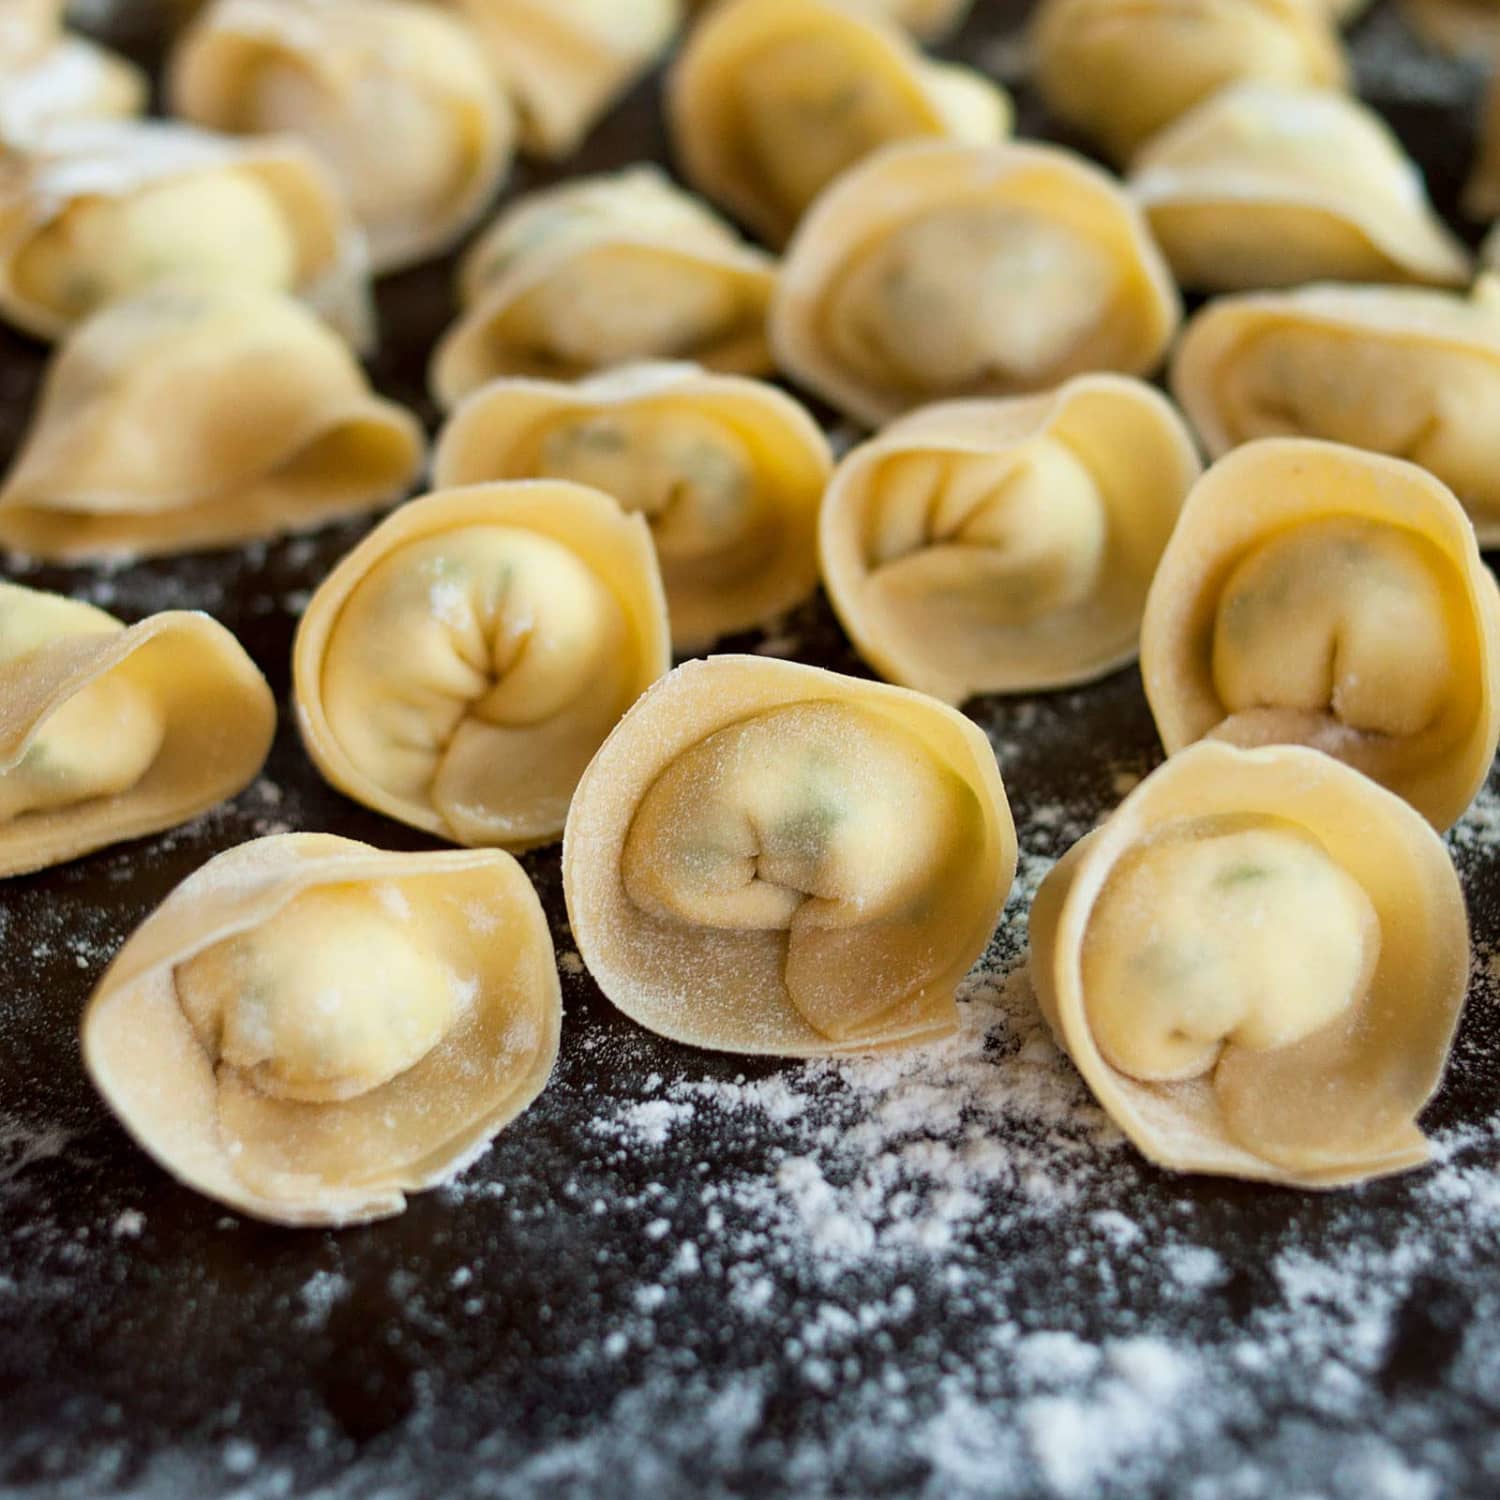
772	99
391	95
273	428
769	858
459	668
929	20
603	271
934	270
307	1029
1266	185
1121	70
111	732
728	473
65	78
1006	546
1257	964
1322	595
1400	370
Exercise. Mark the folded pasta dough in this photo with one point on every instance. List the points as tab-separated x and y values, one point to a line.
307	1029
935	269
272	428
772	99
27	29
566	61
1321	595
1006	546
603	271
767	857
458	669
927	19
1399	370
1266	185
1257	964
109	732
1470	27
391	95
70	79
94	211
728	473
1121	70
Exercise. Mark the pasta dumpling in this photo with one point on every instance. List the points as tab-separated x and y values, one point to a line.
391	95
1266	185
600	272
98	210
728	473
766	857
772	99
458	669
112	732
1400	370
1257	964
1003	546
1323	595
307	1029
1121	70
927	19
936	270
197	415
45	82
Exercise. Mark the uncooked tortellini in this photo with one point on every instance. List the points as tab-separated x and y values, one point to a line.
97	210
1001	546
935	270
50	76
458	669
195	416
1400	370
772	99
1322	595
1267	185
1257	964
728	472
1120	70
600	272
308	1029
109	732
767	857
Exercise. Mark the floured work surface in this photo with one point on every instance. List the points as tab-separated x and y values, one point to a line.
936	1273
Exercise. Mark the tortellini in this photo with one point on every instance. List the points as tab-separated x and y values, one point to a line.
458	669
936	270
111	732
64	78
728	472
600	272
308	1029
1257	964
1399	370
566	61
392	95
766	857
927	19
1266	186
1321	595
193	416
98	210
772	99
1003	546
1120	70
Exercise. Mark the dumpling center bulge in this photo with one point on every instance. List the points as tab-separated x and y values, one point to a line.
1223	932
333	996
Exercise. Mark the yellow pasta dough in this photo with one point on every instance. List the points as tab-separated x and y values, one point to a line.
1005	546
1323	595
772	99
57	77
308	1029
1268	185
1400	370
458	669
194	415
108	733
1257	964
766	857
728	472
